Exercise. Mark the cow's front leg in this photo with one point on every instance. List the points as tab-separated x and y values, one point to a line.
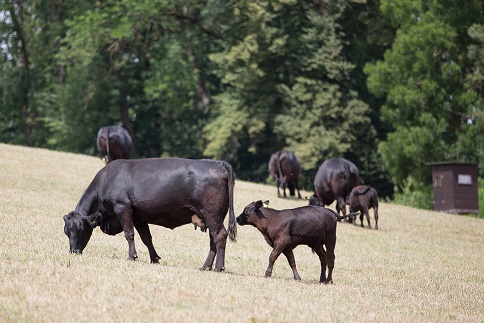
125	217
145	235
292	262
375	214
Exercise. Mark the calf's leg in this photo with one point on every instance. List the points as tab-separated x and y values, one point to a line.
318	249
275	253
330	243
367	214
145	235
292	262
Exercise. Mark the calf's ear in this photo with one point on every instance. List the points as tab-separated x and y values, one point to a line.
266	203
258	204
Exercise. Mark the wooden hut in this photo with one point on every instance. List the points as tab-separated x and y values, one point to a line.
455	187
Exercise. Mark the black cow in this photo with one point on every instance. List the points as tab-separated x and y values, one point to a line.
170	192
284	167
114	142
334	181
363	198
285	229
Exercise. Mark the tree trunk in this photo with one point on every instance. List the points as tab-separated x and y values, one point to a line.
28	114
57	18
124	106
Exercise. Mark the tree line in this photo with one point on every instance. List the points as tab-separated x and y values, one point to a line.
389	84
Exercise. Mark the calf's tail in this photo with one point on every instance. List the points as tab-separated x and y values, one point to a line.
231	183
341	217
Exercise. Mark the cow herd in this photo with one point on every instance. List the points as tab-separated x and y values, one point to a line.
131	194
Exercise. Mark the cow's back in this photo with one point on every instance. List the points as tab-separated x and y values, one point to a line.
336	176
168	191
313	221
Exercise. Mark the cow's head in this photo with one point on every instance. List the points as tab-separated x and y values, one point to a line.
252	213
78	227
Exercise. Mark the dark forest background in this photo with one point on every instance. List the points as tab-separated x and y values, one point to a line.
388	84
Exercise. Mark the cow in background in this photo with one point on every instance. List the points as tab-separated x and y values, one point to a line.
114	142
284	167
363	198
334	181
285	229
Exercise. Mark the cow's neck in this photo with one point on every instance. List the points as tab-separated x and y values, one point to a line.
88	203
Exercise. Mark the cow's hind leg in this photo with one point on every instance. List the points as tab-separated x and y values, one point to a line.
145	235
341	206
211	255
218	240
292	262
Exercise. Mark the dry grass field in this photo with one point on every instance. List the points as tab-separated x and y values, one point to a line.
420	266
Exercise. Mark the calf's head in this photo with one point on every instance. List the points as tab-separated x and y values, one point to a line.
252	213
313	200
78	228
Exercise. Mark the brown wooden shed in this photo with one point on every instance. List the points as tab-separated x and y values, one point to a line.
455	187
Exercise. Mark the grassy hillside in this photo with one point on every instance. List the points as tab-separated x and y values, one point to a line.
420	265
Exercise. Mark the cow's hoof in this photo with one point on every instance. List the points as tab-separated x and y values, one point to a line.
206	269
156	260
219	270
328	281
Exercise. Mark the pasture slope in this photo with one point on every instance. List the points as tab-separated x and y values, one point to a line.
420	266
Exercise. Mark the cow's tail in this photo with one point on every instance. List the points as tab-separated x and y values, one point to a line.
348	182
363	193
231	183
108	157
279	158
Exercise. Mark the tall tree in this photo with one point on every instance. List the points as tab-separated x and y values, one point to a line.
424	80
285	85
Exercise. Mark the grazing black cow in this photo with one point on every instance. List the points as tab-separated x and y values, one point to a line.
114	142
334	181
170	192
363	198
284	167
285	229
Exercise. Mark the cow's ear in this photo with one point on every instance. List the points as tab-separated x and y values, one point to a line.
95	219
258	204
266	203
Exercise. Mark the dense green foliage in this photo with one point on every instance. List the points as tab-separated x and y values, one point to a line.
390	85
